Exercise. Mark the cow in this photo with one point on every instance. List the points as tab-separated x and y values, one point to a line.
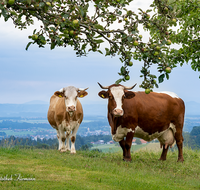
147	116
65	114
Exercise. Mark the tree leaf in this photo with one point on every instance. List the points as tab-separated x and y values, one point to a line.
28	45
99	41
161	78
98	26
118	81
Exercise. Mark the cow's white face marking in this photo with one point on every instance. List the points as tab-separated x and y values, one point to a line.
172	94
117	93
121	133
70	96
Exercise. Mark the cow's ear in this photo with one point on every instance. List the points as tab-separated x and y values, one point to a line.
129	94
59	94
103	94
82	93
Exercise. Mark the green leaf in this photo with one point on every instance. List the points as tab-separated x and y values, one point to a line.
100	51
53	45
129	38
118	81
41	4
123	70
98	26
99	36
28	1
161	78
99	41
107	51
28	45
167	76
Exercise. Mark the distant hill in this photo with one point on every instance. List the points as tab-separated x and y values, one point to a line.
39	109
23	110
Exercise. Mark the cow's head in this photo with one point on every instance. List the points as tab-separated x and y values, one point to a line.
116	95
71	94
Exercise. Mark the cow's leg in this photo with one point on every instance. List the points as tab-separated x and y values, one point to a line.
62	138
67	142
179	143
122	144
73	139
164	153
59	140
128	143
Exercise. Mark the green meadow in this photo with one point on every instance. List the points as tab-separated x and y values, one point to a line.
93	170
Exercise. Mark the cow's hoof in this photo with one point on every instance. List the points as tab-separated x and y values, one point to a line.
63	150
127	159
73	152
180	160
162	159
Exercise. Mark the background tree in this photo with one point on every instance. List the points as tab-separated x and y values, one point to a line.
72	23
138	141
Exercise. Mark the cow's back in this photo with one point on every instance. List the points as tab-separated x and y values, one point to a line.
159	104
151	111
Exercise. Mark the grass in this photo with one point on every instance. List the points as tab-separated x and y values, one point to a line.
96	171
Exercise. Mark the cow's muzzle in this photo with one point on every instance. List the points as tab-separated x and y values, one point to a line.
71	109
118	112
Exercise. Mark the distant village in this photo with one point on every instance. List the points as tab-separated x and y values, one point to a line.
35	134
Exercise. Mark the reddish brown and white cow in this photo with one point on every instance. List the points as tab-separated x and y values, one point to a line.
146	116
65	114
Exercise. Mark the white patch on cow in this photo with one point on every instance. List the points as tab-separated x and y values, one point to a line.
118	92
167	138
121	133
163	136
172	94
70	96
61	135
67	130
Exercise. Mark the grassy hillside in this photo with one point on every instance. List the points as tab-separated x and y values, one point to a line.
96	171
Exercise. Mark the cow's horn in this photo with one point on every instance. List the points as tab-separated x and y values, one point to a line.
129	88
61	90
82	89
103	87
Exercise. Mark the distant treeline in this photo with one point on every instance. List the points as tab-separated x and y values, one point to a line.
192	139
81	142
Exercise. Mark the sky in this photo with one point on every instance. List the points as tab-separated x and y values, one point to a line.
37	73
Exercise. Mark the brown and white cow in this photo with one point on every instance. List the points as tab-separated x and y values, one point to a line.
65	114
146	116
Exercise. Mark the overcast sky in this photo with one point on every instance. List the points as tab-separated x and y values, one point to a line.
37	73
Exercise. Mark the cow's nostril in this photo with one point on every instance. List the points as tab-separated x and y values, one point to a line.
118	112
71	108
